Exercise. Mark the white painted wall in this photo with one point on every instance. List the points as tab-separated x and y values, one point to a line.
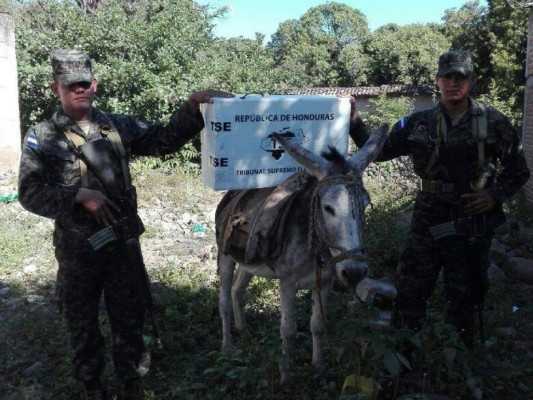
10	137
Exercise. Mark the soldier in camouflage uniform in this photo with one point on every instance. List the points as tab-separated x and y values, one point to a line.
52	185
432	139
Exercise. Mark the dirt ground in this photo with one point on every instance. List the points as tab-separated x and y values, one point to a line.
29	317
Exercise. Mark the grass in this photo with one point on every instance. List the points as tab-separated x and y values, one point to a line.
185	287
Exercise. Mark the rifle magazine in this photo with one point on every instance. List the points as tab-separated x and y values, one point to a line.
102	238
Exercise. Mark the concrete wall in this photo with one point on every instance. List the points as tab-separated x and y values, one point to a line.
9	106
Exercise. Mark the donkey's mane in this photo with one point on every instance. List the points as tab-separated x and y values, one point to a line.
333	155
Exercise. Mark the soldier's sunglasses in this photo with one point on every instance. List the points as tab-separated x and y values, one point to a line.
84	85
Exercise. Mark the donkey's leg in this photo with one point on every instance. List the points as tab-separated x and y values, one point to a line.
226	267
318	324
287	330
240	283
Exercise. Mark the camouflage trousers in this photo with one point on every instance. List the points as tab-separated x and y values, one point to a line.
83	276
420	265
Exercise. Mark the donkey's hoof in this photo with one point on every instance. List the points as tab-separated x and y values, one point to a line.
228	350
319	372
285	372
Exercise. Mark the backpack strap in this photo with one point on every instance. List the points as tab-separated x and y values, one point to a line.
79	140
442	131
114	138
479	132
110	132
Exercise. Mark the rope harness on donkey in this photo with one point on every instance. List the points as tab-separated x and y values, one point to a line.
317	239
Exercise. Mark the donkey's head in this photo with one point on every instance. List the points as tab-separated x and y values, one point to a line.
338	205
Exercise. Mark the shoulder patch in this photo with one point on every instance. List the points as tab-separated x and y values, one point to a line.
141	124
401	123
31	141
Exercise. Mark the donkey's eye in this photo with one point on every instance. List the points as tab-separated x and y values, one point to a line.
329	210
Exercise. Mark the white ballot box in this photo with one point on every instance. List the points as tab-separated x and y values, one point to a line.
237	150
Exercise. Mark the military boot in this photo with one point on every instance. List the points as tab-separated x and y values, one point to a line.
131	390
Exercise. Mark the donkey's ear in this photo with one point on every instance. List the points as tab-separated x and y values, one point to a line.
360	160
315	165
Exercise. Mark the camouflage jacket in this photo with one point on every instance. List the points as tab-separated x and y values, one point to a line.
49	174
416	136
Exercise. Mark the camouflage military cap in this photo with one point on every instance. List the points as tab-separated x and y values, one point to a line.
459	61
71	66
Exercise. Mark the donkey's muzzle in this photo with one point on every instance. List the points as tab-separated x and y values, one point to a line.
350	272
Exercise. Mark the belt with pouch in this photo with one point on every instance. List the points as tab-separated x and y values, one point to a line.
436	187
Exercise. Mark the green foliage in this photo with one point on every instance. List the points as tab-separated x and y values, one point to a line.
387	225
187	160
236	371
147	55
143	70
505	105
243	66
405	54
466	29
397	356
507	41
319	48
519	208
497	36
386	110
6	6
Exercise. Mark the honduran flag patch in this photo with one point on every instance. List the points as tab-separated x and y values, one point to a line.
403	122
31	141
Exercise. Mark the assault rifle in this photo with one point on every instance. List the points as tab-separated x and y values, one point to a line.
472	227
97	155
455	157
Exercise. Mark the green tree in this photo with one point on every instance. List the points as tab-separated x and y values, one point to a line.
386	110
507	46
88	5
323	47
242	66
466	29
145	53
497	36
405	54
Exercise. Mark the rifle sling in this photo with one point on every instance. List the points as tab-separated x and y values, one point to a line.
479	132
442	130
116	142
109	131
78	140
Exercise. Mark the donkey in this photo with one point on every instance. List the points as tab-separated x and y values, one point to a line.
319	236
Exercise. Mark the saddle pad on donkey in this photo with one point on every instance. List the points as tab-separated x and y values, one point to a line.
250	223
